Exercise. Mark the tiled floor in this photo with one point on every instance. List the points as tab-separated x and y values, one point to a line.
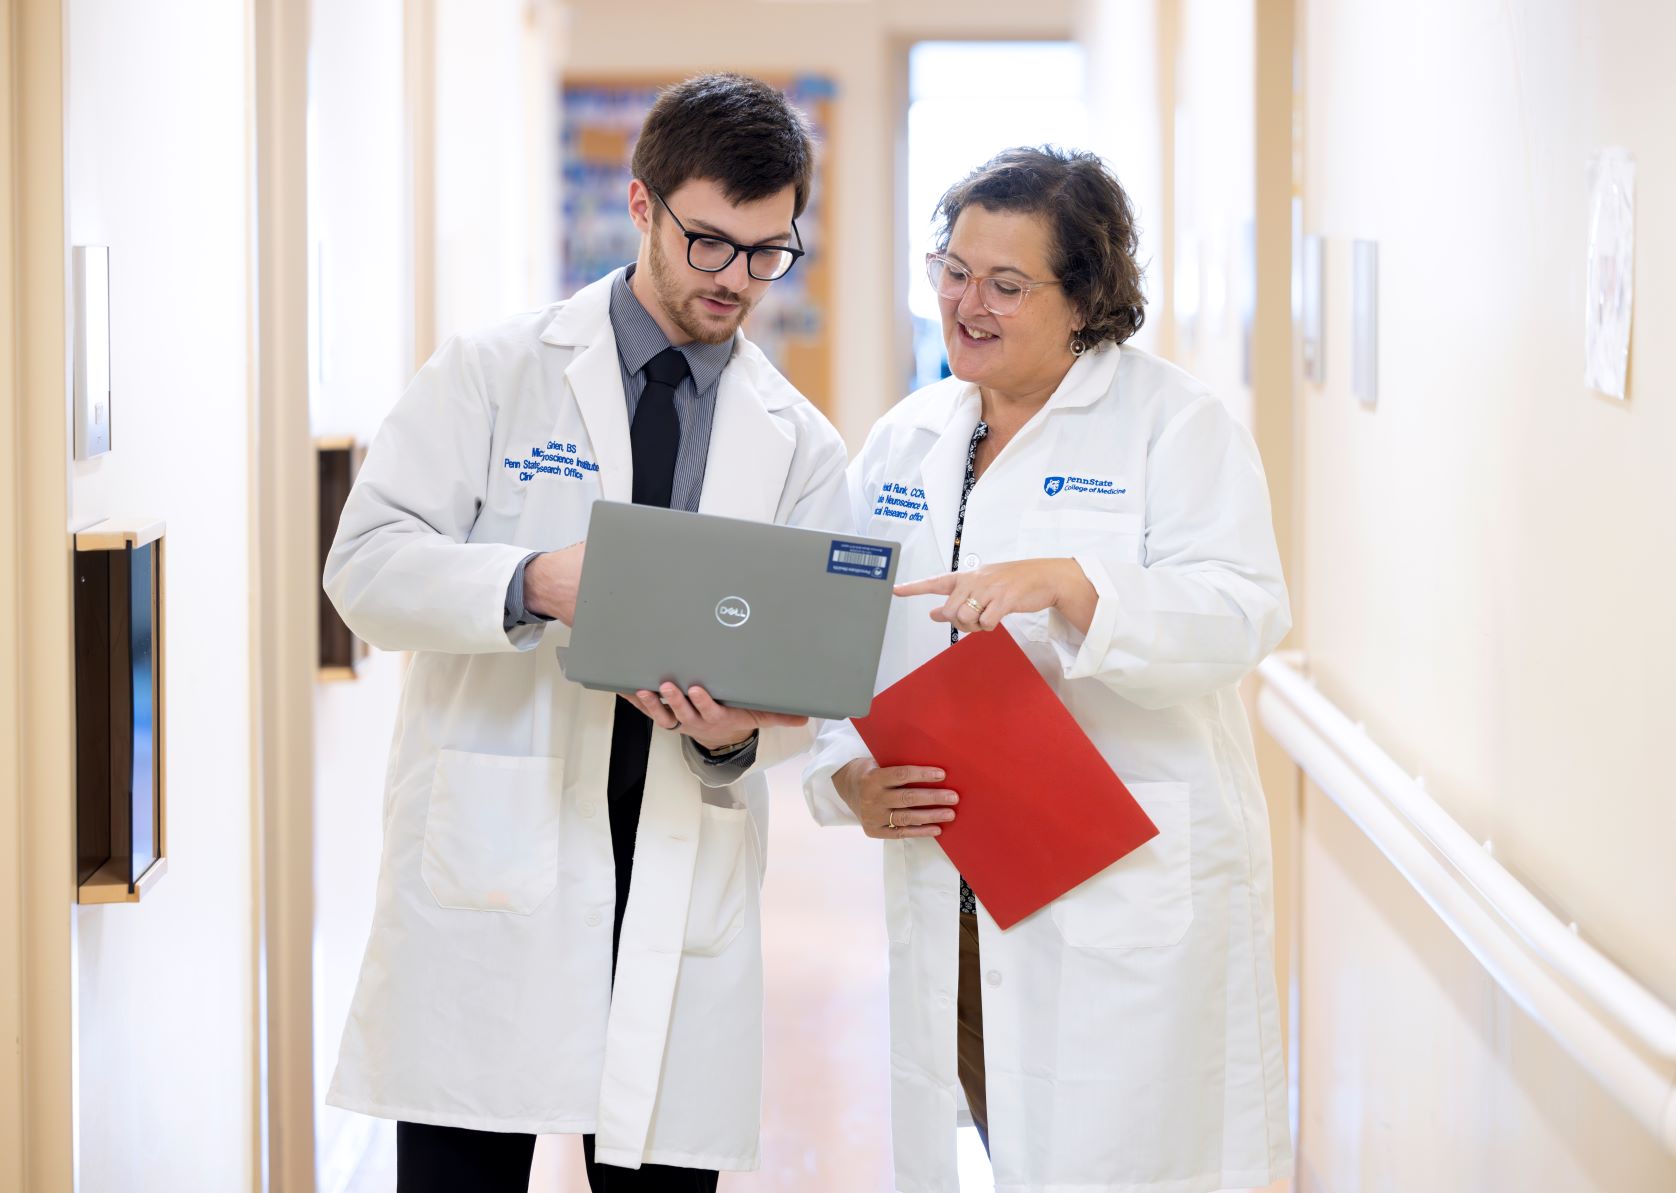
826	1093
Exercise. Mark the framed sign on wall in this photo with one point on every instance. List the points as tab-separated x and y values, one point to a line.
121	805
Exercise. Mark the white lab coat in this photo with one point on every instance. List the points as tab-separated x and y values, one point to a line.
485	999
1131	1034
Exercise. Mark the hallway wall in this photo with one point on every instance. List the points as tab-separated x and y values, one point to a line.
1487	560
157	165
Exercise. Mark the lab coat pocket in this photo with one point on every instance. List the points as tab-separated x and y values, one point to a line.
1113	534
1075	532
717	910
492	831
1145	899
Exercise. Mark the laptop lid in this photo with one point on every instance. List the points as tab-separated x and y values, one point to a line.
771	617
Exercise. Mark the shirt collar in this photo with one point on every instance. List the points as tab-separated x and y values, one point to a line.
639	338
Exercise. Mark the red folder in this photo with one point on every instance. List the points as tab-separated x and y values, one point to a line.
1040	810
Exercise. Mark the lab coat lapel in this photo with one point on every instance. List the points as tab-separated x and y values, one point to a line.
649	955
943	472
595	378
750	452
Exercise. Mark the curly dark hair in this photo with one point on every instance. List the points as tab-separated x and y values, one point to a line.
1092	222
732	129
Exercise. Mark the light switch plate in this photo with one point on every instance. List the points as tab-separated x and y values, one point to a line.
1311	271
91	264
1364	320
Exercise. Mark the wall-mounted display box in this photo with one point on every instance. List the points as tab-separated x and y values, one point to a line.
338	460
121	820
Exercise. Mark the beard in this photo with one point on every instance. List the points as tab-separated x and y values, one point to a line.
685	311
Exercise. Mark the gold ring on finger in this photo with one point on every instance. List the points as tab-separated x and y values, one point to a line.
977	609
890	821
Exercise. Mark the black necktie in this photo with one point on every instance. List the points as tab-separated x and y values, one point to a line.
654	437
656	433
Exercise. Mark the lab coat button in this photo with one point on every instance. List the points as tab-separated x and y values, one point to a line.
586	807
971	562
944	1002
593	919
993	977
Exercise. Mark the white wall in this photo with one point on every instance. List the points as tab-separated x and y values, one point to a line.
156	167
1122	38
496	105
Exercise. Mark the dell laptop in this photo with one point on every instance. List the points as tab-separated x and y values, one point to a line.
761	616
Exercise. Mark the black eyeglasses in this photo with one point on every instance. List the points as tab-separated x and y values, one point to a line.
712	254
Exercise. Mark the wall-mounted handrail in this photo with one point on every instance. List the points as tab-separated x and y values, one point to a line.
1522	944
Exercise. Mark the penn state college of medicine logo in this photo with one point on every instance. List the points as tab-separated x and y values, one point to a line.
733	611
1052	485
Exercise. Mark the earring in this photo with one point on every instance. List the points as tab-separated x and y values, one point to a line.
1078	347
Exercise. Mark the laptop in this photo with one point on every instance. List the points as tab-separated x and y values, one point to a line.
761	616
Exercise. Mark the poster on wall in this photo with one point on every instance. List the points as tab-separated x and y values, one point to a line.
600	120
1611	273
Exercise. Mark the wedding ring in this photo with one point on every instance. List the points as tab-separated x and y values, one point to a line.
890	821
976	608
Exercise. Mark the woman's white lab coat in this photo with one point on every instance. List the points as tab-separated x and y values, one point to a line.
485	999
1131	1037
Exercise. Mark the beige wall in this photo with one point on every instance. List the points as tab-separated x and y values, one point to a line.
863	47
1423	536
156	159
1487	565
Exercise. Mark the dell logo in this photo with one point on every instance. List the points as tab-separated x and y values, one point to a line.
733	611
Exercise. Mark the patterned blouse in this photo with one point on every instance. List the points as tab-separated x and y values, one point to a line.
968	901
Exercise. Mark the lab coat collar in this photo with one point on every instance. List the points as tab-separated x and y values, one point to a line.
1089	378
952	415
750	451
579	319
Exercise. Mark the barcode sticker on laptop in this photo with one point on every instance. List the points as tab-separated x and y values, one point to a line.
858	559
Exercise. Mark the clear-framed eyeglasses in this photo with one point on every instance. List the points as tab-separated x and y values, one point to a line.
1000	294
712	254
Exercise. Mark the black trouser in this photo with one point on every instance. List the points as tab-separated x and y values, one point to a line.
455	1160
625	791
449	1159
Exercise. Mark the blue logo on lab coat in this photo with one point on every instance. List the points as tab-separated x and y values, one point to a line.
1052	484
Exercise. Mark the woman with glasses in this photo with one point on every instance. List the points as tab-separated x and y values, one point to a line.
1105	508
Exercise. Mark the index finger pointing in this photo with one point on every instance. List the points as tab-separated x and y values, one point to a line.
936	585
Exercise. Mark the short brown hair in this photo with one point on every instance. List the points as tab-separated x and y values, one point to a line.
1092	223
730	128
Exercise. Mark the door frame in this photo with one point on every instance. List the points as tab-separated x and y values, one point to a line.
284	585
37	825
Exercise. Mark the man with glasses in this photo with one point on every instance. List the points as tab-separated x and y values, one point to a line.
567	938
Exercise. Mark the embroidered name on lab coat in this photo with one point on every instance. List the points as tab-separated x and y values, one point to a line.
552	459
899	501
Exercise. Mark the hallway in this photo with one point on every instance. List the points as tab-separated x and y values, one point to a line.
1416	258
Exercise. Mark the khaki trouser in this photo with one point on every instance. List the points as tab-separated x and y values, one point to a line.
969	1024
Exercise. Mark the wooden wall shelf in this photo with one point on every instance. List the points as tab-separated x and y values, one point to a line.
338	459
121	801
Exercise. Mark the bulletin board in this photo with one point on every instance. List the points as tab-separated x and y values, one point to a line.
600	119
